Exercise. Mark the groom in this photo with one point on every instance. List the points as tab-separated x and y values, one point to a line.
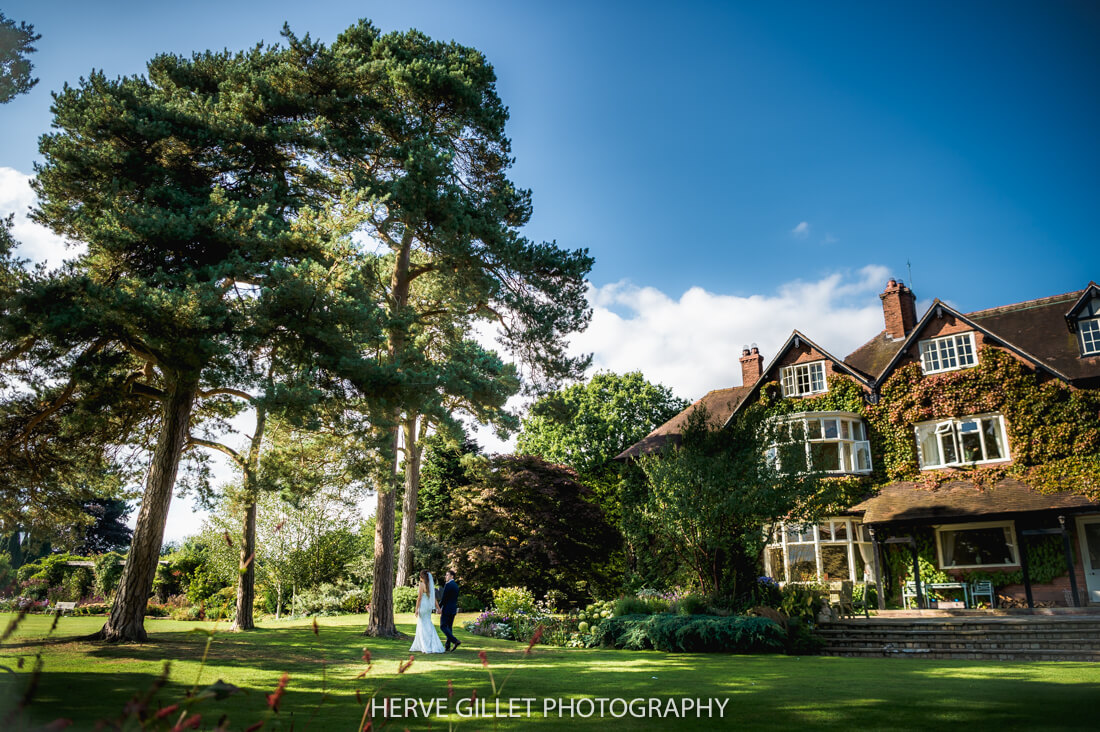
448	608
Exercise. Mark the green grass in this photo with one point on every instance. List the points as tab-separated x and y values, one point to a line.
87	682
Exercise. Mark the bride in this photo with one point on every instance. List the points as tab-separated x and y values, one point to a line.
426	640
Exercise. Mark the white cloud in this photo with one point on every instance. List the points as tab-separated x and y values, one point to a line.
36	242
801	231
692	344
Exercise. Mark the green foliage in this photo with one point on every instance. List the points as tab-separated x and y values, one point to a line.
691	634
80	582
690	605
586	425
525	522
15	68
108	571
442	472
404	599
711	496
633	605
511	600
802	601
329	599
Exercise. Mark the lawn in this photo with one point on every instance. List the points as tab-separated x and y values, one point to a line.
87	682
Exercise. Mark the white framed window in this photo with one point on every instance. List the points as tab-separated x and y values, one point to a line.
803	378
834	549
1088	331
834	442
948	353
991	544
965	441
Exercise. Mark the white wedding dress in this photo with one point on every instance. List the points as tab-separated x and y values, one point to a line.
426	640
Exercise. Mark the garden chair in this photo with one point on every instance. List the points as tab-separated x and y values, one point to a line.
840	597
909	592
984	589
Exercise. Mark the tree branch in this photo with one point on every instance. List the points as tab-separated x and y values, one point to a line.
193	441
226	391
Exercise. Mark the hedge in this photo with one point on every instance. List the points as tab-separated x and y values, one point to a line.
691	633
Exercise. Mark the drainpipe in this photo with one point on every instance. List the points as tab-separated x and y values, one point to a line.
1069	561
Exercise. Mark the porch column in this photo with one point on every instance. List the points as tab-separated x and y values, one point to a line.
1021	539
879	593
1069	561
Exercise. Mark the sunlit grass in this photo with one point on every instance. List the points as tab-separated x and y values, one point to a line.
87	682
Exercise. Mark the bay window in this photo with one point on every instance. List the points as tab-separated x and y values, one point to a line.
966	441
832	442
833	549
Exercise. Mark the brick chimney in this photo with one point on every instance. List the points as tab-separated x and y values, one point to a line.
752	365
899	309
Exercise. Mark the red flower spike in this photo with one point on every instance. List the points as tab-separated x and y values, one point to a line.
534	639
189	723
315	628
273	698
450	689
484	659
405	666
255	726
228	540
358	698
366	655
473	695
166	711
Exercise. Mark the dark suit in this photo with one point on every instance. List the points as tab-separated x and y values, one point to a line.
448	607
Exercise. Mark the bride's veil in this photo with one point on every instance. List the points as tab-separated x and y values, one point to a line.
431	590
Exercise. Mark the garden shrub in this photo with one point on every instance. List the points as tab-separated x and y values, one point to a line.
79	583
691	633
689	605
404	599
639	606
108	571
510	600
470	604
92	608
356	600
802	601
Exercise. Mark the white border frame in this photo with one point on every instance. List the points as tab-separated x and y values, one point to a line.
807	364
980	525
1081	336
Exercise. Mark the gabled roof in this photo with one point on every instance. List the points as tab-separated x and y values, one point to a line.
1091	290
720	404
980	321
796	339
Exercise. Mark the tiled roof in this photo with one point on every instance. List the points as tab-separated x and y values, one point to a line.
720	404
1036	327
873	356
960	500
1039	328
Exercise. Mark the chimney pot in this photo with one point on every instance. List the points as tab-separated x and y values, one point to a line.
752	366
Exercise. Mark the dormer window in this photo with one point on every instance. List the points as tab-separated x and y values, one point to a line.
803	379
948	353
966	441
1089	332
1084	319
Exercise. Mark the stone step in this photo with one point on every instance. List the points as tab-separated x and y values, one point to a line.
1037	635
948	644
964	654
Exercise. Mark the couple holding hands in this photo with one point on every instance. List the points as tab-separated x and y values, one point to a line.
426	640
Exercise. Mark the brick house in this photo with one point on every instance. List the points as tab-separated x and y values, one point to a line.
973	438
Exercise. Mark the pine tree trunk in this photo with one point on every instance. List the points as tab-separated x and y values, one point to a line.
408	506
126	622
381	606
246	577
381	624
246	580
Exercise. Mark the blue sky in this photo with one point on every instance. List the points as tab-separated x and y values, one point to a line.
684	143
737	169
